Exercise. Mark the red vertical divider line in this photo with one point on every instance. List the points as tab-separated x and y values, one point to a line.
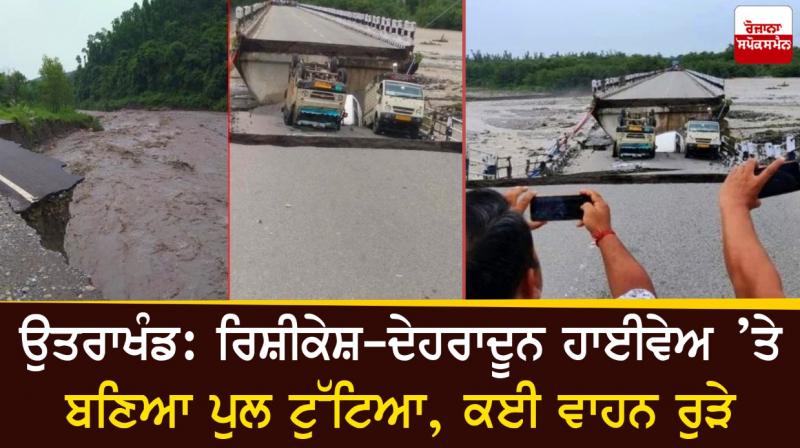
464	149
228	138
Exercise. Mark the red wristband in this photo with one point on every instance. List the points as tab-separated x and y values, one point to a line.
602	234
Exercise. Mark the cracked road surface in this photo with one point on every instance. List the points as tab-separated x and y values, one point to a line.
27	177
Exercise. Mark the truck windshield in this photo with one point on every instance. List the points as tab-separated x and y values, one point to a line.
704	126
403	90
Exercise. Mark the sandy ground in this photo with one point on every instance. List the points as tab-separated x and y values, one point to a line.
149	221
28	271
523	128
441	66
760	104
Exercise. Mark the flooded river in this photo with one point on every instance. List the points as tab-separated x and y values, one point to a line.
149	221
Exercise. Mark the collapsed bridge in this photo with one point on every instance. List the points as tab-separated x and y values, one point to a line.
674	95
270	34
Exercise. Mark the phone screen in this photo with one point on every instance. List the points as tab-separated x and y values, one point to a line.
558	208
785	180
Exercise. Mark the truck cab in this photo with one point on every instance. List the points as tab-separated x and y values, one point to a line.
315	95
701	137
394	102
636	136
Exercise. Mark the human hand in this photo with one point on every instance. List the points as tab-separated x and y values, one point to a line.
741	187
596	213
519	198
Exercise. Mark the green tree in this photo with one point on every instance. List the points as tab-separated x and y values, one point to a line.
576	70
55	89
3	83
163	53
14	87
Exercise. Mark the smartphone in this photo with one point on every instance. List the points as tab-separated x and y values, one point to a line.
785	180
558	208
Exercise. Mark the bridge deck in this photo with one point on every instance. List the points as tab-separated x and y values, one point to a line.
670	85
292	24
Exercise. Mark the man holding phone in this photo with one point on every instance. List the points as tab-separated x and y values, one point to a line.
749	267
502	261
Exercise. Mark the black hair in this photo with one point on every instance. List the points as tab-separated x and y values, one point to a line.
499	247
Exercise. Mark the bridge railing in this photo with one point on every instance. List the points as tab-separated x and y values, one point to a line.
435	128
713	80
616	82
242	12
245	15
397	33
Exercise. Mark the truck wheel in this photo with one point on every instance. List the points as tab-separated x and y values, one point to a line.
688	153
376	125
290	117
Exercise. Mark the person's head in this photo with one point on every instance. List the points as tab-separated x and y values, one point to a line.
501	261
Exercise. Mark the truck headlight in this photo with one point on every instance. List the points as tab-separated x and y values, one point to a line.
304	94
339	98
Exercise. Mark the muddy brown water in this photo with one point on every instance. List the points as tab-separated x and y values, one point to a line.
149	221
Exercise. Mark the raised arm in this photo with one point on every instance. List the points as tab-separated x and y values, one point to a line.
623	272
749	267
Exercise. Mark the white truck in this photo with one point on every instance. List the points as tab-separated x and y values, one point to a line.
700	137
394	102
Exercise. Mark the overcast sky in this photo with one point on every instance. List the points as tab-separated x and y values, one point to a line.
30	29
669	27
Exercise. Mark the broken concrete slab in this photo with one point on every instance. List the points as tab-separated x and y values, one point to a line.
27	177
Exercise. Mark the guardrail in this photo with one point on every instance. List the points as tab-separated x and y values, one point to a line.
615	82
397	33
243	12
247	15
713	80
435	128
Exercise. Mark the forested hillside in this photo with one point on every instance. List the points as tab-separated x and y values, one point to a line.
160	53
569	71
38	105
444	14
